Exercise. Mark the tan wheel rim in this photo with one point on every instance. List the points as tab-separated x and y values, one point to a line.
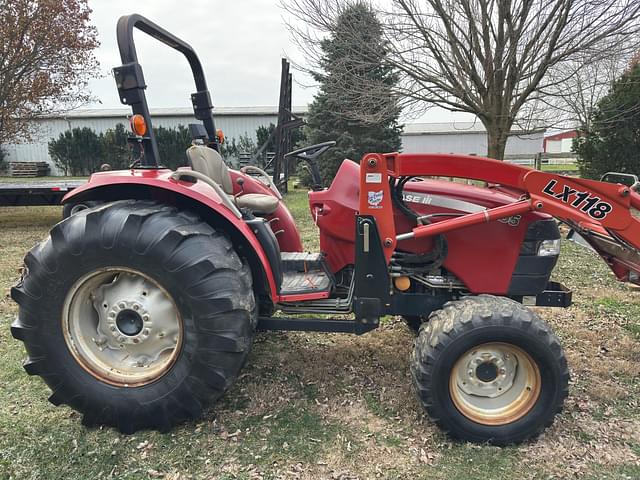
495	384
122	327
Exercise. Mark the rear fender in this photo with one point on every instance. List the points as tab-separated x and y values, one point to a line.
197	197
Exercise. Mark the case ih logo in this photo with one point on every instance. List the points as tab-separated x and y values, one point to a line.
375	198
583	201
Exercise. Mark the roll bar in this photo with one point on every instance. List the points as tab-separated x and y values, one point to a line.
131	83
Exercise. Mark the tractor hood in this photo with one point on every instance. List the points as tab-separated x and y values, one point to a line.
462	197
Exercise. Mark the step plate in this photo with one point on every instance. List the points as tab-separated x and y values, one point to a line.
301	261
295	283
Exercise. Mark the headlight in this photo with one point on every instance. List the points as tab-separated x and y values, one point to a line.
549	248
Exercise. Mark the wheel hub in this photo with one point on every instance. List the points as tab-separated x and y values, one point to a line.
129	322
487	372
122	326
494	383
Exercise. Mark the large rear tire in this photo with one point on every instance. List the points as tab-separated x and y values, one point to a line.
489	370
135	314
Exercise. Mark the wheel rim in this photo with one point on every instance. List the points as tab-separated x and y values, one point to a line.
122	327
495	383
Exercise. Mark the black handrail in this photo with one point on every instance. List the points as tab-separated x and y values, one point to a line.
131	84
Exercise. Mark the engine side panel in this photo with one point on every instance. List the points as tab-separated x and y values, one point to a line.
334	211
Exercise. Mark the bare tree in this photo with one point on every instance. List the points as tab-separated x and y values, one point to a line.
572	101
46	59
502	60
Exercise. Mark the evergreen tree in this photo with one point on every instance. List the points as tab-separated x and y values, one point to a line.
80	151
3	163
263	133
613	142
117	151
172	145
339	113
77	152
232	149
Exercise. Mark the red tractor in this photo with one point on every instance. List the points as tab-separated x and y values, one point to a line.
141	306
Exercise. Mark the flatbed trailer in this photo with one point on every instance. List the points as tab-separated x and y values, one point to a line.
44	192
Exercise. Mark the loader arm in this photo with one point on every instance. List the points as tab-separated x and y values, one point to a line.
603	212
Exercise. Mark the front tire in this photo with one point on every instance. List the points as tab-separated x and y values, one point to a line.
489	370
72	208
135	314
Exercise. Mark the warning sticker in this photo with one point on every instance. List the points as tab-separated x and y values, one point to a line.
375	199
373	178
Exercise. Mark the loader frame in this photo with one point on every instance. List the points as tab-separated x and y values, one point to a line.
596	208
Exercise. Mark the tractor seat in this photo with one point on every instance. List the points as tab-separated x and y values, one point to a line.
210	163
258	203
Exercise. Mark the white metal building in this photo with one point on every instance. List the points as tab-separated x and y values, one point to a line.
458	137
234	122
560	142
465	137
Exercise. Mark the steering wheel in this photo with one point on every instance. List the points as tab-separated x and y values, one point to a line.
262	177
310	155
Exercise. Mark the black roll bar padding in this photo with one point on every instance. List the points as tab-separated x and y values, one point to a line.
131	83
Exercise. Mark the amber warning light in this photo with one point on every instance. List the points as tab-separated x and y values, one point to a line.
138	125
220	135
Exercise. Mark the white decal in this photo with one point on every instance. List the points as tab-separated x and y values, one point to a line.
373	178
511	221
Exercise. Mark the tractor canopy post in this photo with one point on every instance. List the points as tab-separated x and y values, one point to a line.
131	83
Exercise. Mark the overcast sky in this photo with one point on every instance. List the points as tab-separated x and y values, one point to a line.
239	42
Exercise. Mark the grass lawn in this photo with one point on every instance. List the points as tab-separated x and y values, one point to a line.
570	167
312	406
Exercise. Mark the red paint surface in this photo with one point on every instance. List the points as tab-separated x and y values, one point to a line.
199	191
482	255
375	199
281	221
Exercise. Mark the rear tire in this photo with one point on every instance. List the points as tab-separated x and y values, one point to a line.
487	369
178	322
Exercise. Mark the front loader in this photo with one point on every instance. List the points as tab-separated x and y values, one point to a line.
140	307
